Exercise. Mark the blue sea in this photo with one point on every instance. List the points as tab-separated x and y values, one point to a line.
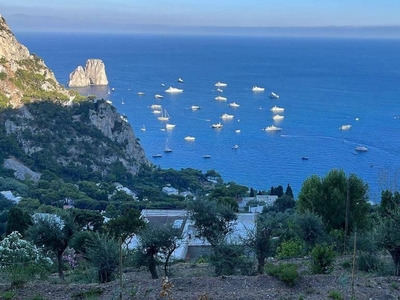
323	84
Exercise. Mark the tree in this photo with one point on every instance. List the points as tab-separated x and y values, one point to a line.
126	225
213	221
337	199
389	201
18	220
278	191
289	191
252	194
102	251
53	232
283	203
389	236
159	241
309	228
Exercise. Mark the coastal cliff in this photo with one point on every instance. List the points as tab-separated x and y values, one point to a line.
47	128
94	73
24	77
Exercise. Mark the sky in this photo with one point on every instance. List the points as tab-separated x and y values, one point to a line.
180	15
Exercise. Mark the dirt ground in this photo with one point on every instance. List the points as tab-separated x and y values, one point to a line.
138	285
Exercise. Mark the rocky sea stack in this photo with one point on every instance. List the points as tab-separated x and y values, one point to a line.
94	73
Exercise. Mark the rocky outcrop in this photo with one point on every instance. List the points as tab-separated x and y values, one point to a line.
24	76
94	73
21	171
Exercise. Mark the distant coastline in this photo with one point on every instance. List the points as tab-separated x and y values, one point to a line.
381	32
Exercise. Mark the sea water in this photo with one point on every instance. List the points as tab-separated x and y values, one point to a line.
322	83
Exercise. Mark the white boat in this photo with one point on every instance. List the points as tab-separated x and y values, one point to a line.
272	128
162	84
195	107
220	98
361	149
108	92
173	90
207	156
157	155
235	147
226	116
345	127
234	104
219	90
180	80
109	102
124	118
167	149
157	111
170	126
237	130
122	102
158	96
140	94
217	125
274	95
155	106
277	118
257	89
277	109
165	116
113	89
221	84
190	138
143	128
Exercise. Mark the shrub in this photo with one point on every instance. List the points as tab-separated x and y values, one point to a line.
285	272
335	295
290	249
368	262
322	258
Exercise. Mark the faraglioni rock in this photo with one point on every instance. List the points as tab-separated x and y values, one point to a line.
94	73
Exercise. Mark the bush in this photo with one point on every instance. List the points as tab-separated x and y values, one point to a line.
290	249
285	272
322	258
368	262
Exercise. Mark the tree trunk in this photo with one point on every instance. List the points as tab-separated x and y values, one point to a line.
152	267
260	263
396	259
60	264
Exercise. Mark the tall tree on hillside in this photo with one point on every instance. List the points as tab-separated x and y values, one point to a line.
289	191
341	201
18	220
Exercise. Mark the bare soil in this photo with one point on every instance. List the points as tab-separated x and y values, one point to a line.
191	282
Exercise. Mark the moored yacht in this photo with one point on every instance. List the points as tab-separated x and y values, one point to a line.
220	84
361	149
234	104
164	116
219	90
217	125
173	90
180	80
345	127
158	96
189	138
257	89
220	98
277	118
155	106
226	116
140	93
272	128
274	95
277	109
195	107
170	126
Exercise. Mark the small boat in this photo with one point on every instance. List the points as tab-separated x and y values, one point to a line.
226	116
277	109
237	130
143	128
173	90
140	94
113	89
167	150
157	155
122	102
164	116
220	84
220	98
235	147
108	92
304	158
217	125
278	117
109	102
124	118
158	96
156	111
170	126
345	127
207	156
257	89
189	138
195	107
180	80
272	128
274	95
361	149
219	90
162	84
155	106
234	104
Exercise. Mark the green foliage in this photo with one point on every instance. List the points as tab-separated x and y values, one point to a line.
310	229
18	220
92	293
289	249
212	220
322	259
283	203
3	75
230	259
103	255
327	196
336	295
285	272
368	262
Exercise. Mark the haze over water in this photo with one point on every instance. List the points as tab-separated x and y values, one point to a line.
323	84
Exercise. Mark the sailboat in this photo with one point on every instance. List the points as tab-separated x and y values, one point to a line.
165	116
108	92
122	102
143	128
